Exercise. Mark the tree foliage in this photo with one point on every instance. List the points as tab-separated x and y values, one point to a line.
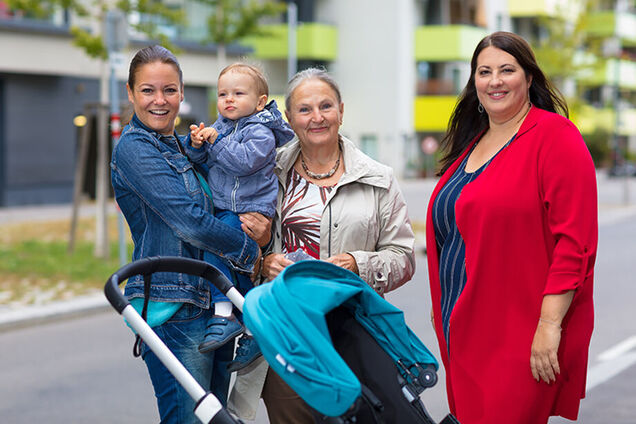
154	13
232	20
565	41
229	20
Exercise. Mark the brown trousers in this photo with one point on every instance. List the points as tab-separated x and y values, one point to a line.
284	406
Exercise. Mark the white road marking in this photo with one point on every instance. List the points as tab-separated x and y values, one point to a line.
613	361
618	350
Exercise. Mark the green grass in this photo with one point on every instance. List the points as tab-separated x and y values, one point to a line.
34	270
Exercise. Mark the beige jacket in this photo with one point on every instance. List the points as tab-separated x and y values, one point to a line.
366	217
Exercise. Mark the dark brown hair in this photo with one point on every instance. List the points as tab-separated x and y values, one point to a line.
466	122
152	54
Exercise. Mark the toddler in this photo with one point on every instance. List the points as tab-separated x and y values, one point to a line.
240	151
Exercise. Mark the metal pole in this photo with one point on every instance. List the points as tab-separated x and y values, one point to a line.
80	170
292	25
619	158
621	7
115	132
101	193
116	38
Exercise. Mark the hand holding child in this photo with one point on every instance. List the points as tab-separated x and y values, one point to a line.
200	134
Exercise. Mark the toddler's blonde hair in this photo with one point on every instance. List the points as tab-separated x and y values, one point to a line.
251	70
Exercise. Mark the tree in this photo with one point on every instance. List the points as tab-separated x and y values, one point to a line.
231	20
93	13
91	37
564	46
567	52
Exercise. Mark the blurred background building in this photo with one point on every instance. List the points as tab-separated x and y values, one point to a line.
400	65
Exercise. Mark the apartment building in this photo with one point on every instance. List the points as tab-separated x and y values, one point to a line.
400	65
46	82
606	87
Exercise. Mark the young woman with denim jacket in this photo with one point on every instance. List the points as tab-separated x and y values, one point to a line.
169	214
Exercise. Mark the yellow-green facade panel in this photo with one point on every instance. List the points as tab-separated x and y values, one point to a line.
588	118
530	8
314	41
608	24
433	112
446	43
610	72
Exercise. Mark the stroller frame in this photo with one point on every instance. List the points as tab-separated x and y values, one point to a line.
208	408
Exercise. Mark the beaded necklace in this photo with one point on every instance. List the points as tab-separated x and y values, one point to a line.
319	176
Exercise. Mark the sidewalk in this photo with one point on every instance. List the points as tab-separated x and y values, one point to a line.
416	192
23	316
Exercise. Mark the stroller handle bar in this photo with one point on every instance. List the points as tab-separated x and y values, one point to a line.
150	265
208	408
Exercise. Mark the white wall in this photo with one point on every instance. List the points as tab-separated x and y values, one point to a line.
55	55
376	71
497	15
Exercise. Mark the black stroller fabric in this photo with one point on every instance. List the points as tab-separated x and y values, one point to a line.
376	370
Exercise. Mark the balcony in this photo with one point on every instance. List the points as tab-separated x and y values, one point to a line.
314	41
536	8
435	87
589	118
607	73
446	43
609	24
433	112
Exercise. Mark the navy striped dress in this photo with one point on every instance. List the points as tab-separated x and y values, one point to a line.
450	244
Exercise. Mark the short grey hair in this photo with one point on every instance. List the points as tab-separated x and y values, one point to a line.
308	74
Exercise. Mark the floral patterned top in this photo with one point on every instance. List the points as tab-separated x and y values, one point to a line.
301	213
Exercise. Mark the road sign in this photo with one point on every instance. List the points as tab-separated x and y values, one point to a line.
429	145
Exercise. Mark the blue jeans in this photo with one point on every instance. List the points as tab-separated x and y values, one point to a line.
182	334
241	281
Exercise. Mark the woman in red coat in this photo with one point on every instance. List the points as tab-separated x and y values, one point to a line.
512	234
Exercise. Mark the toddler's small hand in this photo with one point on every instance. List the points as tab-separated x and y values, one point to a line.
195	135
209	134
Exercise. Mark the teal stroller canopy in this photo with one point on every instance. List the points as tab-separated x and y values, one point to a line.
287	318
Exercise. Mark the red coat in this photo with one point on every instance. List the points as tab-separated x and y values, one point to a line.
529	223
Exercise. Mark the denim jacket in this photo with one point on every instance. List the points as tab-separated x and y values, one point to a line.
168	213
241	160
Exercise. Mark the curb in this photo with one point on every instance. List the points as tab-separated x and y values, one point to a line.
26	316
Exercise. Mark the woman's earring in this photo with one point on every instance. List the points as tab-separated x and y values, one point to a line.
480	108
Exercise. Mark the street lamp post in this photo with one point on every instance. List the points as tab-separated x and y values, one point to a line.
613	49
618	157
292	25
116	40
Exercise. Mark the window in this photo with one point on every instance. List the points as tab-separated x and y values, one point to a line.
369	145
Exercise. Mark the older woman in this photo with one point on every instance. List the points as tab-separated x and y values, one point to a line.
169	213
511	236
334	204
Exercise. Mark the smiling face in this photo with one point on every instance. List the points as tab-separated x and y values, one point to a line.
238	96
501	84
156	96
315	114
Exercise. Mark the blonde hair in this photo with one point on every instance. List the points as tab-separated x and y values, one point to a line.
251	70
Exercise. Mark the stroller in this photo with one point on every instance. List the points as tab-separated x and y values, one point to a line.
345	350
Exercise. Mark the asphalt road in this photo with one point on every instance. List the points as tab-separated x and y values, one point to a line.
81	370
